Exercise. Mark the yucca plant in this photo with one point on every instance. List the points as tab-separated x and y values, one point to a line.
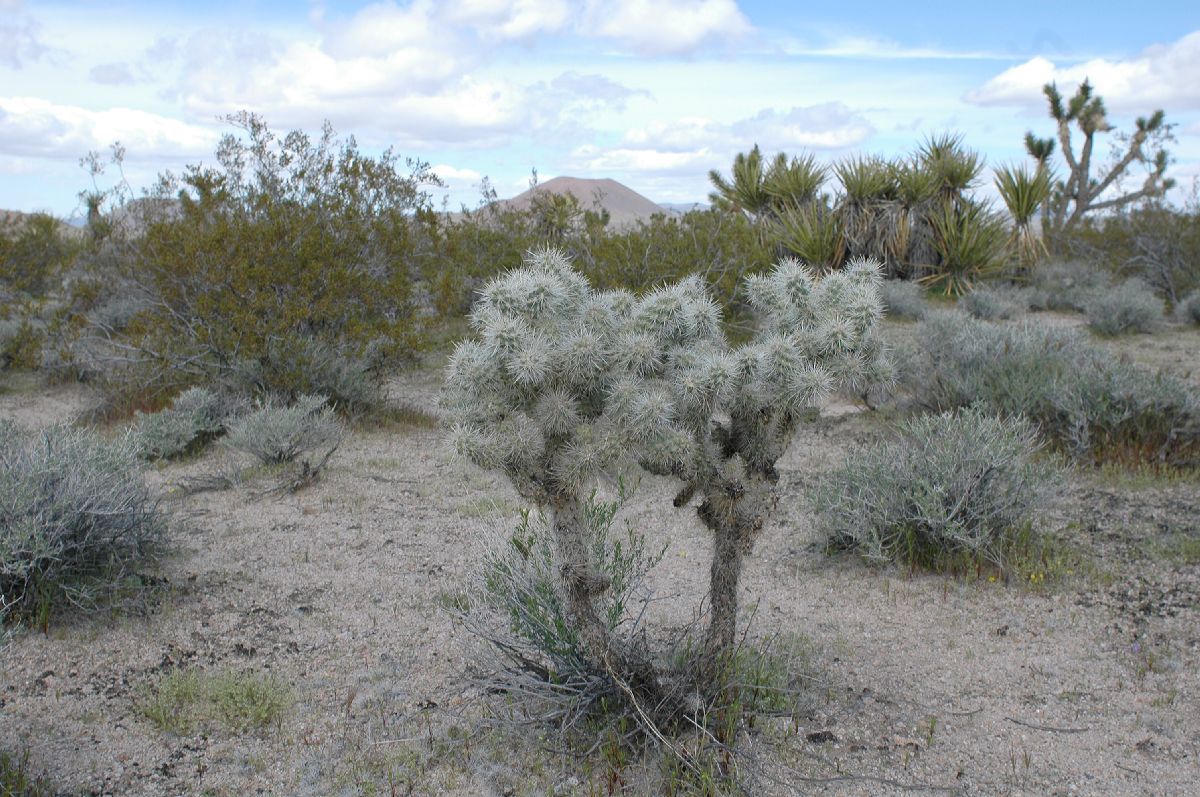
814	234
969	240
954	168
868	210
794	182
745	190
1024	192
917	190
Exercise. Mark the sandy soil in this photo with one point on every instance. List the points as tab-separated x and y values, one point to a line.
962	686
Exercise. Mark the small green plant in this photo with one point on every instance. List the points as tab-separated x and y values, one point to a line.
75	516
18	780
195	417
275	434
950	488
186	701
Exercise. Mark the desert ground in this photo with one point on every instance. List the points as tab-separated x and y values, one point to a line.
1086	684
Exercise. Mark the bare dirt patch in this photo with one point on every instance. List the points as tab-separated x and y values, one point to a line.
1084	686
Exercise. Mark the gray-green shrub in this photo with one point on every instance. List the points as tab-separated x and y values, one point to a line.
276	433
195	417
1089	404
1065	285
1189	309
959	485
902	299
1127	308
75	515
995	302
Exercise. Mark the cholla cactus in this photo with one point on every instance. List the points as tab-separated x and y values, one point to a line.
564	384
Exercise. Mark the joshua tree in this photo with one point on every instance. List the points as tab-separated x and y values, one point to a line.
565	384
1080	193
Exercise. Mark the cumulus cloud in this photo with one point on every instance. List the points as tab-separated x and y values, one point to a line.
1160	76
19	42
33	127
510	20
661	27
692	145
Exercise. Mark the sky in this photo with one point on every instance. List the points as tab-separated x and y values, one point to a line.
652	93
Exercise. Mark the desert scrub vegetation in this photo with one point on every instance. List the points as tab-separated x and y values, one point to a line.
1066	285
1188	310
187	701
564	384
904	300
195	417
1124	309
272	271
955	490
1088	404
995	302
75	517
276	433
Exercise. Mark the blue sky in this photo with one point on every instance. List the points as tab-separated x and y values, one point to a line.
653	93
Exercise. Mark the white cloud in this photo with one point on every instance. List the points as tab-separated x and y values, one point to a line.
662	27
623	159
19	41
509	20
1160	76
35	127
830	125
453	174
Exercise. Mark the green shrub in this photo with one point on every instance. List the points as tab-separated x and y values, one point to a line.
21	343
288	253
34	251
195	417
184	702
995	302
1065	285
516	601
1126	308
903	300
276	433
75	515
1090	405
959	486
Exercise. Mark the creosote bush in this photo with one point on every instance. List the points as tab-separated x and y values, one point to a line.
274	433
1065	285
564	384
75	516
951	489
1085	402
1127	308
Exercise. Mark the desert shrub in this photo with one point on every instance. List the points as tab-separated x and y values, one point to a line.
959	485
289	253
516	602
1126	308
75	515
195	417
903	300
1188	310
995	302
34	250
1090	405
277	433
1065	285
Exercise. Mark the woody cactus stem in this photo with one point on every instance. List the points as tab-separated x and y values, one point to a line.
565	384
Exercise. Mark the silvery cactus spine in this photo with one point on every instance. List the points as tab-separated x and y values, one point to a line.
563	384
